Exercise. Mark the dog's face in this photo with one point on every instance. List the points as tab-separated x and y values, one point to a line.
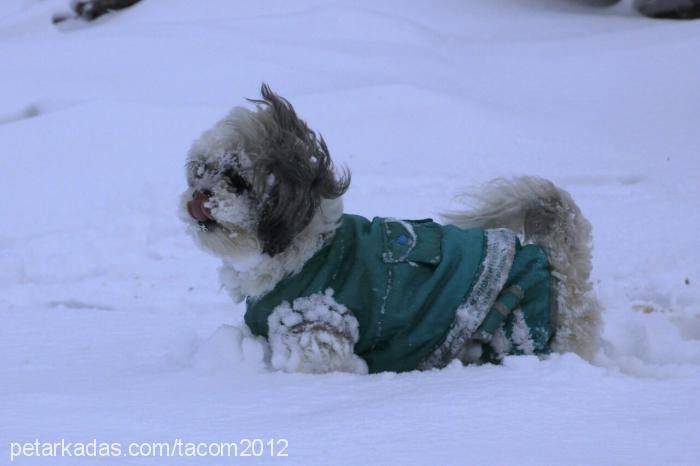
256	179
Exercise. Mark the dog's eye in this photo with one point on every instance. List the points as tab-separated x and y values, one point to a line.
237	182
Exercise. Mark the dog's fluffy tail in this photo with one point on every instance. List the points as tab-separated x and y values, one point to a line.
547	216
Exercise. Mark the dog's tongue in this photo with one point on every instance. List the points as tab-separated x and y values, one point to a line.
197	209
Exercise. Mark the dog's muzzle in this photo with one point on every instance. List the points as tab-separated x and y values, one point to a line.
197	209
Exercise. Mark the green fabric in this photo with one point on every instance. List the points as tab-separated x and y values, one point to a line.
531	273
528	288
403	280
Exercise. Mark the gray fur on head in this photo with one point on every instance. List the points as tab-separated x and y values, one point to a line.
294	171
266	175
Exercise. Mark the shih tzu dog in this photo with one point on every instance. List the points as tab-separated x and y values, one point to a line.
337	292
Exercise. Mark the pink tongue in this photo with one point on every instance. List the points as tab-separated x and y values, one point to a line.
197	209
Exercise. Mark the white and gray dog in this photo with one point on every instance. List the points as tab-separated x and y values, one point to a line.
337	292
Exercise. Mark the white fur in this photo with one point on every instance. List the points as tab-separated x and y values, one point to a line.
245	270
547	216
314	334
234	234
258	276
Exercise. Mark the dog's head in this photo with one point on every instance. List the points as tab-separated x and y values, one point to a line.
256	180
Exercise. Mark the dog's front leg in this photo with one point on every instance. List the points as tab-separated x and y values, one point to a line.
314	334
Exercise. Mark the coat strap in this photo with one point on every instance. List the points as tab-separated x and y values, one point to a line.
499	252
508	300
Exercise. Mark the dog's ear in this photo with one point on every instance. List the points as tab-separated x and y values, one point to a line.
293	173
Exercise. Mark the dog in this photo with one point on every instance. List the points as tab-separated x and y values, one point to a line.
337	292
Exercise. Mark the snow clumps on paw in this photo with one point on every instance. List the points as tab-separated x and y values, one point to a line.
314	334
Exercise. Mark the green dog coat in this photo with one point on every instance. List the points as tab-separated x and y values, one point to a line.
421	290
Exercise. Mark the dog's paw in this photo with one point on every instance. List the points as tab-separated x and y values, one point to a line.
315	334
317	349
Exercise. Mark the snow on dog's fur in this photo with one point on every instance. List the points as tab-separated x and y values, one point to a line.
547	216
263	195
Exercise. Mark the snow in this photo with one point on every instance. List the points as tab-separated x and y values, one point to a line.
326	342
114	326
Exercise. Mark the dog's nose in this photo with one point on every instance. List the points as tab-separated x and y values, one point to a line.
197	209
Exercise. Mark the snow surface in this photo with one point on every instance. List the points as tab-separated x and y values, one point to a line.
114	326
